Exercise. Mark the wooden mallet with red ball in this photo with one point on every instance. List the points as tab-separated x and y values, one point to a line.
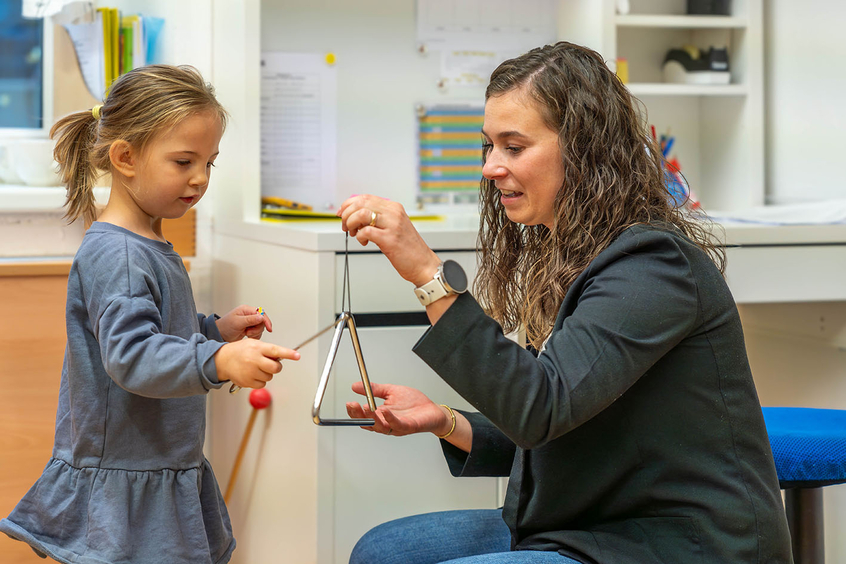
259	399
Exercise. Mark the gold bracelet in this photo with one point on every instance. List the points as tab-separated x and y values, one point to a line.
452	414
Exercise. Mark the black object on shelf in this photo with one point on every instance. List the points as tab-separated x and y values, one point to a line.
709	7
690	65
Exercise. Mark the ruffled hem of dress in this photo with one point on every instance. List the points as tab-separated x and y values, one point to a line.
43	550
103	516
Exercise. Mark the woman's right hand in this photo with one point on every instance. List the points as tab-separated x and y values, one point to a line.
250	363
392	231
405	411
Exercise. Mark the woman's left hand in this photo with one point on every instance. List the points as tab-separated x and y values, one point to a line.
406	411
243	321
371	218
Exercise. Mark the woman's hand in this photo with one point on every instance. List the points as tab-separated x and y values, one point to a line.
243	321
391	230
405	411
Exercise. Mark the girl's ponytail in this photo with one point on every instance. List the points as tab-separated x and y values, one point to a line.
75	135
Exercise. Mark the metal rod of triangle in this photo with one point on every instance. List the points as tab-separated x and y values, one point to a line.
345	320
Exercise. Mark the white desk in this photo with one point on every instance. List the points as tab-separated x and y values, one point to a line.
306	494
776	264
766	264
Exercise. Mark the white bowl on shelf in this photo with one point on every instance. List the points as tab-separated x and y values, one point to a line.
8	174
33	161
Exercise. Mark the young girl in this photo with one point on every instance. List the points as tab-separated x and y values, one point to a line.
128	481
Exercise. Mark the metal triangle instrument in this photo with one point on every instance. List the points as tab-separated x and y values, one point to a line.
344	320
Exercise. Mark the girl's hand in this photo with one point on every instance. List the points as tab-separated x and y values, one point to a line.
393	233
243	321
250	363
405	411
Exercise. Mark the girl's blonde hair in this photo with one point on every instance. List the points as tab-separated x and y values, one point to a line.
613	179
141	104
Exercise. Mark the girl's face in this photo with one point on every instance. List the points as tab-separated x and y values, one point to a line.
523	158
174	169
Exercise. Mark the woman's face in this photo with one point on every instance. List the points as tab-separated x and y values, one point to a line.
523	158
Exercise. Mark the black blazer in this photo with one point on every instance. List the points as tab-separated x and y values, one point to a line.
636	436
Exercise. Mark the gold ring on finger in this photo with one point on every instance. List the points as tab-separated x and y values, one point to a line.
373	216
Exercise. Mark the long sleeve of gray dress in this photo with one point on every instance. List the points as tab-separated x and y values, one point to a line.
208	327
136	299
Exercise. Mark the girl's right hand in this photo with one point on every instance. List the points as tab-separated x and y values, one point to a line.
250	363
405	411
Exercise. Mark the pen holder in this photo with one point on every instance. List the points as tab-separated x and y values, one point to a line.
677	189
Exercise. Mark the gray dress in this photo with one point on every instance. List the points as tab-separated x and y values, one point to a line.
128	482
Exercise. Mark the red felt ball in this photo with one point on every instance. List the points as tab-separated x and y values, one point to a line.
260	398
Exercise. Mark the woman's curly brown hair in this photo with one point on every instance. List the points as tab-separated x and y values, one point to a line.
613	178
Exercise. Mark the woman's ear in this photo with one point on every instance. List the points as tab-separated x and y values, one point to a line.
123	157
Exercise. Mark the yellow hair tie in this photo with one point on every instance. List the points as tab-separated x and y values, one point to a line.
95	111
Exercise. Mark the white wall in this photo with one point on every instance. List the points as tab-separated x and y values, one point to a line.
798	351
805	84
381	77
38	235
798	356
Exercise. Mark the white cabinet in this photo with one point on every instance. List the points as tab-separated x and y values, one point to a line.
718	129
372	478
378	478
307	493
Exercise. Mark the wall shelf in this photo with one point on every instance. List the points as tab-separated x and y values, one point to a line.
680	22
664	89
37	199
718	128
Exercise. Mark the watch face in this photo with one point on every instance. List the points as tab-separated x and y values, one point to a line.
454	276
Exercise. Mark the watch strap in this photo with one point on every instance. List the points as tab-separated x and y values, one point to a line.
431	291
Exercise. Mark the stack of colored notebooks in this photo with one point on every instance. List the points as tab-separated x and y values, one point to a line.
282	210
128	41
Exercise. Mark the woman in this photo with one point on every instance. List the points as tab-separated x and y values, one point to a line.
631	428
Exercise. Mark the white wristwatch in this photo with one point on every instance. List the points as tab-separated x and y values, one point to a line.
448	280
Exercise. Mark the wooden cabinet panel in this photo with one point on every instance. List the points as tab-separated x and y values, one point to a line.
182	233
32	345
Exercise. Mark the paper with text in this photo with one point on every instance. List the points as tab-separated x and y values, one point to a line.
298	128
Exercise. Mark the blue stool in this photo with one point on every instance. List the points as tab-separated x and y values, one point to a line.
809	446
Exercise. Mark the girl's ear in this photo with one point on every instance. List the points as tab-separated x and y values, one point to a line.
123	157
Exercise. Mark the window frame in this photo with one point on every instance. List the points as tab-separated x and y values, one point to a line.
47	77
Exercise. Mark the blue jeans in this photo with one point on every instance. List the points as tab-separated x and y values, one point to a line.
473	536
